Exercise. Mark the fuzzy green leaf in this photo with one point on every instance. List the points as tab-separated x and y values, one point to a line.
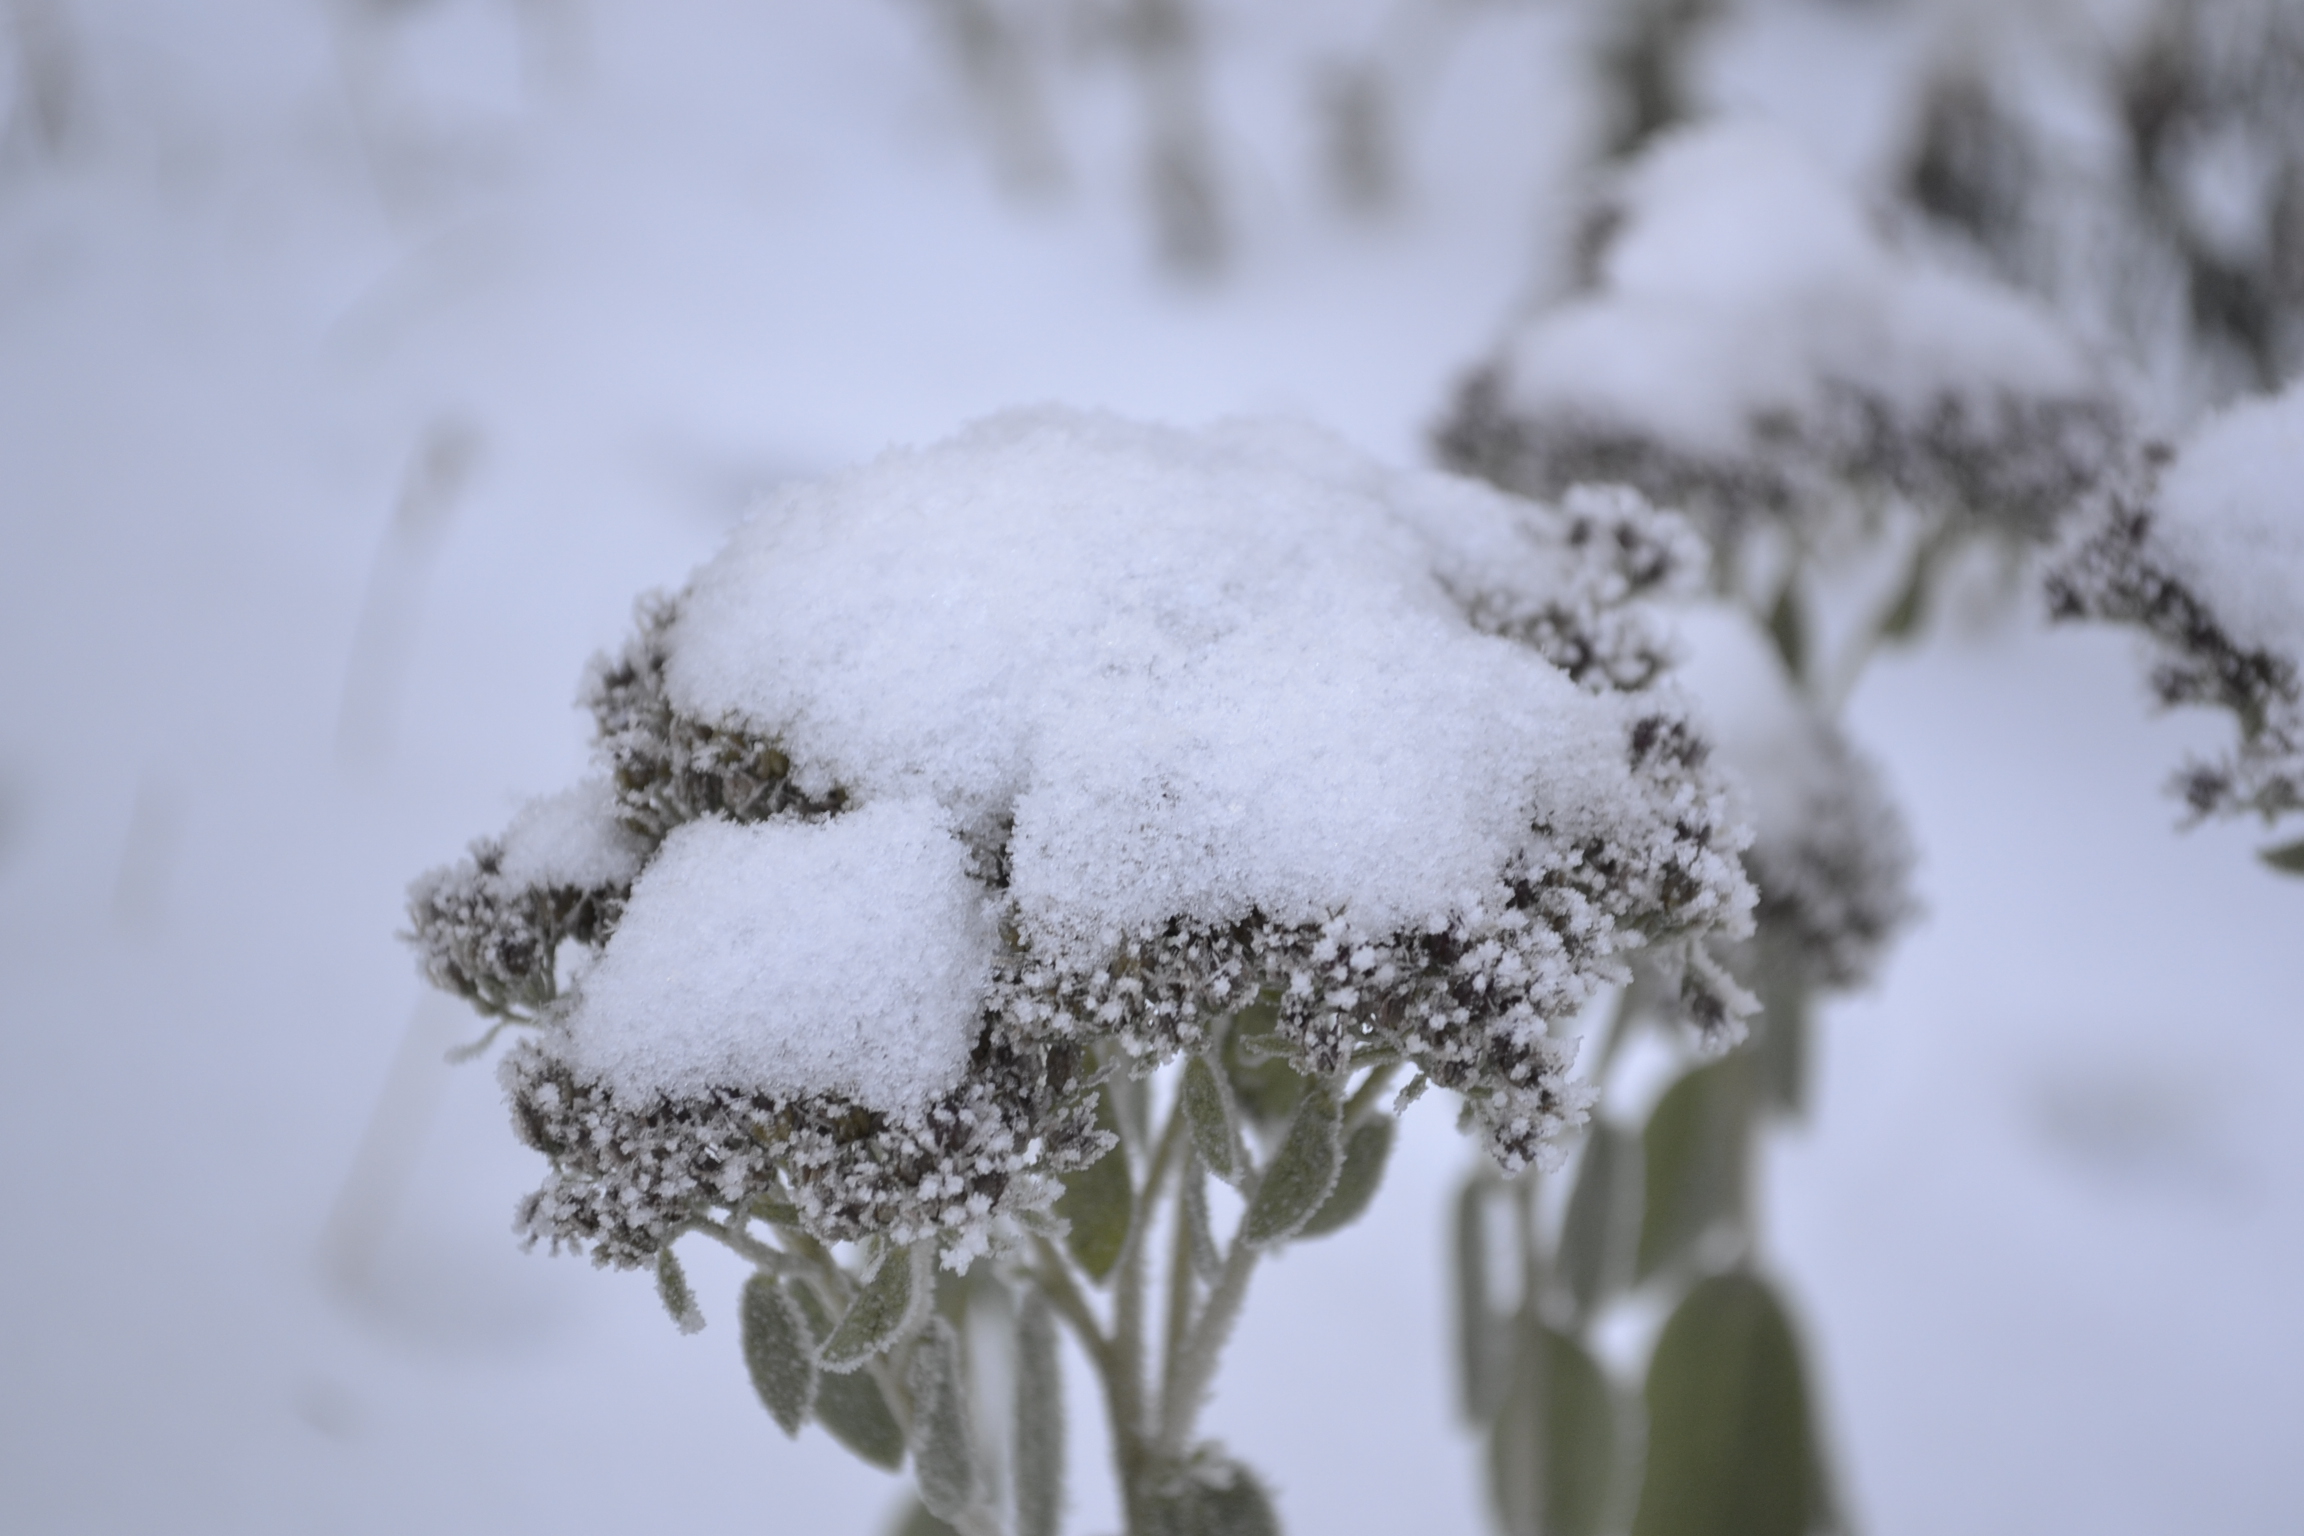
1554	1456
779	1352
1039	1447
1264	1087
1303	1172
882	1313
1694	1149
1208	1111
943	1446
672	1289
1099	1202
851	1407
1603	1217
1730	1448
2288	858
1482	1372
1366	1151
1199	1234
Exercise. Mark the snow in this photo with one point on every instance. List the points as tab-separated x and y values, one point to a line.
2231	520
1201	675
571	839
842	957
1743	282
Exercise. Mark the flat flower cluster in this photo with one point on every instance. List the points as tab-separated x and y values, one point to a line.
967	778
1749	348
1836	879
2207	561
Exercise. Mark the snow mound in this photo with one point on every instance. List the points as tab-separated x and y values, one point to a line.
838	957
1196	675
2231	520
571	839
1744	281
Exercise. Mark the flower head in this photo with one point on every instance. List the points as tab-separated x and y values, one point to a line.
965	777
1751	347
2209	562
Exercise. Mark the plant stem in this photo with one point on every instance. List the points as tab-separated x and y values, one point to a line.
1195	1363
1179	1299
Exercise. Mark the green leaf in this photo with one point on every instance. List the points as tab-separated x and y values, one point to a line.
1482	1374
1554	1453
779	1352
1694	1149
1099	1202
1264	1087
943	1446
672	1289
1199	1235
883	1312
851	1407
1302	1174
1730	1448
1222	1500
2288	858
1366	1151
1208	1112
1039	1448
1788	627
1603	1219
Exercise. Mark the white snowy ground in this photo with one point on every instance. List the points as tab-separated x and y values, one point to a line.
2046	1222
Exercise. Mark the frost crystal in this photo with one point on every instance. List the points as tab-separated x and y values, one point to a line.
2210	563
969	774
1750	347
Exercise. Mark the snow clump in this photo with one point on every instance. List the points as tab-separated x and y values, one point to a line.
965	777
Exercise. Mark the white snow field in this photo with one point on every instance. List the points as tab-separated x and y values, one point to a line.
357	373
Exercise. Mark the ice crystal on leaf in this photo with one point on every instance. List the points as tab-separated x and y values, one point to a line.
988	767
1752	348
2208	562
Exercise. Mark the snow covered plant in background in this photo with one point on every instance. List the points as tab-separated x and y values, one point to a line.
1751	346
2209	562
2140	165
1000	842
1844	416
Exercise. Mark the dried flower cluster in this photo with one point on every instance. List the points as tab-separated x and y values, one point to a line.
2122	572
1835	876
1996	462
1749	345
1466	996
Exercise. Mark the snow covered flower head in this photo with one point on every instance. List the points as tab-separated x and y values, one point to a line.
2210	564
964	776
1831	855
1751	348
